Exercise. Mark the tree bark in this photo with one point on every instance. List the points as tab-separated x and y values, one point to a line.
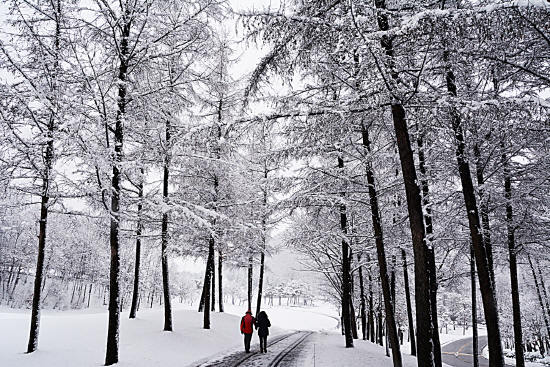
512	253
425	345
213	277
260	284
164	236
431	252
262	255
408	301
363	303
475	339
201	302
371	308
135	296
36	300
220	281
484	211
542	286
114	291
379	239
346	281
250	274
207	278
544	313
484	274
45	194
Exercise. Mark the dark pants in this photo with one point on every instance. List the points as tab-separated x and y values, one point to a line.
247	339
263	343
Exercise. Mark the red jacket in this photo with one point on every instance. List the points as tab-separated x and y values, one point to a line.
247	324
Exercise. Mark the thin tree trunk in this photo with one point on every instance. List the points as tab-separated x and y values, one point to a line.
379	239
262	255
516	310
250	274
353	317
545	315
220	279
346	281
433	295
135	296
164	237
542	286
484	211
207	278
351	296
36	301
408	301
201	302
474	306
371	309
213	277
363	303
260	283
485	281
425	343
425	350
46	182
431	251
114	291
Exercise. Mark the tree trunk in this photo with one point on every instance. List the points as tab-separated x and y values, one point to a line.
379	239
544	313
475	339
260	283
264	230
250	274
512	252
114	291
371	309
220	279
207	278
433	298
363	303
36	301
201	302
543	292
431	251
213	277
352	315
135	296
425	346
46	182
484	211
408	301
346	281
164	236
484	274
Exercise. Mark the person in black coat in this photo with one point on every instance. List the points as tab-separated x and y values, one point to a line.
263	325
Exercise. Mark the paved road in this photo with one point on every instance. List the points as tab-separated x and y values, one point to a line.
283	351
460	353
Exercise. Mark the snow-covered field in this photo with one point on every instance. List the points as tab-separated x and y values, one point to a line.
78	338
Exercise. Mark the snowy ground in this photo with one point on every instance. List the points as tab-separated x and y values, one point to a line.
78	338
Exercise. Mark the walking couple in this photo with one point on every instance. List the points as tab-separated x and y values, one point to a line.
262	324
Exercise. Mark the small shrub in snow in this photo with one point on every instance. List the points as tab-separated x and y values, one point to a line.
532	356
508	353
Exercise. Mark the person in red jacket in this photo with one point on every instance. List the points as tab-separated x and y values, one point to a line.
247	327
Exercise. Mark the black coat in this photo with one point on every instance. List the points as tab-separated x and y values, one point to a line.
263	324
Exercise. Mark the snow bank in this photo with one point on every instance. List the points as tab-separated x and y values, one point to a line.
78	338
